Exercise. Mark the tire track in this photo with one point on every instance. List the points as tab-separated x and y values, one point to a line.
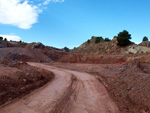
69	92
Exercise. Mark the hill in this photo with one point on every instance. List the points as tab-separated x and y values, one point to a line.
107	52
104	51
23	54
98	48
35	52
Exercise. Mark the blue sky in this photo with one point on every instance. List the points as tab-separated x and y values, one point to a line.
69	23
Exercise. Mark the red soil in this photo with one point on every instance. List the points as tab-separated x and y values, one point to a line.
18	79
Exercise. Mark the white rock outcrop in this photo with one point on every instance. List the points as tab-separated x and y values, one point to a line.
136	49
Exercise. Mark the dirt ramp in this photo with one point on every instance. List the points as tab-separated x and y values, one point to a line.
23	54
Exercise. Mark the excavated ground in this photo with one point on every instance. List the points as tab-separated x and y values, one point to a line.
82	88
69	92
18	79
127	84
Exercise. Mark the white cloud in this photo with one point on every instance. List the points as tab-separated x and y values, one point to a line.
48	1
18	13
11	37
21	13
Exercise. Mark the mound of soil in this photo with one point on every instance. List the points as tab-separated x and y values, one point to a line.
53	53
35	46
23	54
96	59
130	87
20	79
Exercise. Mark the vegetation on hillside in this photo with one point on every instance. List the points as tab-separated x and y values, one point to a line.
107	40
123	38
5	39
88	41
1	38
66	49
145	38
98	39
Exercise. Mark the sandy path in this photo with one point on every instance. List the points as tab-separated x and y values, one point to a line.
70	92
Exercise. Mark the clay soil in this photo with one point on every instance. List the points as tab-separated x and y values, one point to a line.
18	79
77	88
127	83
69	92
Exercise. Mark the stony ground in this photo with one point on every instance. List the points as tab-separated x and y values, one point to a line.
18	79
69	92
127	84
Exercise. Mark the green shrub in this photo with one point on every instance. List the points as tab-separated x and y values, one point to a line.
66	49
88	41
98	39
123	38
145	38
107	40
5	39
1	38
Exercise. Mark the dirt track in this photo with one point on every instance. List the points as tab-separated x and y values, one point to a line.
69	92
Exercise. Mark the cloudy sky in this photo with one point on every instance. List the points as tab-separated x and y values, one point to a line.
60	23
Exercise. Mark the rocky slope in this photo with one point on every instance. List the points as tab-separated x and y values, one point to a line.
23	54
145	44
103	47
18	79
88	52
36	52
107	52
91	52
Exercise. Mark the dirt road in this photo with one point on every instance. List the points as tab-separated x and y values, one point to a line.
69	92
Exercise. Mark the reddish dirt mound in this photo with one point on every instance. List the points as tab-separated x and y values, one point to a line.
23	54
20	79
53	53
98	59
130	88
